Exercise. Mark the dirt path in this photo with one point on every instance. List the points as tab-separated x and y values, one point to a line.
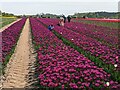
3	28
20	69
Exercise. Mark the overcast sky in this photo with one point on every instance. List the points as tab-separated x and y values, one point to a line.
57	6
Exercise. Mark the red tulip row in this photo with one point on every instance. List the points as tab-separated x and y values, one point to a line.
10	37
101	20
62	66
107	54
102	34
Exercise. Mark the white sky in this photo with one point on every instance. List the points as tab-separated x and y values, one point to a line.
59	0
57	6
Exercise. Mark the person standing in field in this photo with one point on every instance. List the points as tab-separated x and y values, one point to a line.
69	18
84	17
64	18
61	22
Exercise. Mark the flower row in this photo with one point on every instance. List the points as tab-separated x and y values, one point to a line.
107	54
102	33
62	66
105	34
100	19
10	36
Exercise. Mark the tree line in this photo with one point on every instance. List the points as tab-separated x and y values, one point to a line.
98	15
76	15
4	14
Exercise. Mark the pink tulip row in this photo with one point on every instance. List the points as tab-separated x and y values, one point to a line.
107	54
62	66
10	36
100	19
105	34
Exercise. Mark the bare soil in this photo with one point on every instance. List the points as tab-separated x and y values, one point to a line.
20	70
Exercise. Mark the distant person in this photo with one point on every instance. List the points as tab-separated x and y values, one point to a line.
64	18
61	22
69	18
50	27
84	17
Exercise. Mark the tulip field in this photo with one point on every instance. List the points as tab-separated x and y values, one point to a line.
111	23
62	66
78	55
9	39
